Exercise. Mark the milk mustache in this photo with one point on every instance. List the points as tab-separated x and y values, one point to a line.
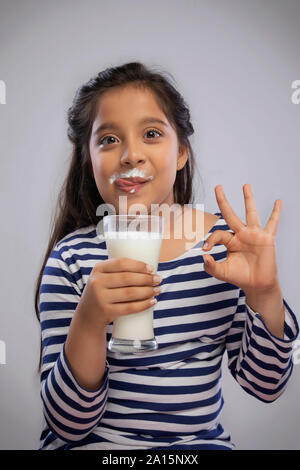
141	246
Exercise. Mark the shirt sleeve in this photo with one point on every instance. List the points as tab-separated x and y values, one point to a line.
259	361
70	411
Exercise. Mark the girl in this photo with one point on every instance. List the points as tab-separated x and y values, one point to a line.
128	118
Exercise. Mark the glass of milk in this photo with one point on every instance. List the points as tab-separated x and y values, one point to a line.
137	237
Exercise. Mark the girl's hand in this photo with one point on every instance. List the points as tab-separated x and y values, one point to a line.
115	287
251	258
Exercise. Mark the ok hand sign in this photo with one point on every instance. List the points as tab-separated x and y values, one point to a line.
251	257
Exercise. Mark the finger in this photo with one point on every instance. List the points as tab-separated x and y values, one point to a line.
273	221
216	269
113	280
218	236
233	221
252	218
112	265
132	307
129	294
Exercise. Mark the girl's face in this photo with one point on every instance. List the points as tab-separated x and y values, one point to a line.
128	142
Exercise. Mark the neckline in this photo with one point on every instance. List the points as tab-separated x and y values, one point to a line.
201	242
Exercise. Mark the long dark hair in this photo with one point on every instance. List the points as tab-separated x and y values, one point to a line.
79	197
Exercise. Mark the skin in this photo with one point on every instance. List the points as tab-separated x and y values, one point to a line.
251	259
123	286
251	256
133	146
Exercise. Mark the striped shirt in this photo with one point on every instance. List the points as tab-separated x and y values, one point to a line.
170	398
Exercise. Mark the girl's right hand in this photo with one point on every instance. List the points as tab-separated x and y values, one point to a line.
115	287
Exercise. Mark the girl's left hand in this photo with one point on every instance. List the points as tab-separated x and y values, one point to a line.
251	258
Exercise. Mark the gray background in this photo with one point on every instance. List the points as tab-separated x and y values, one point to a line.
234	62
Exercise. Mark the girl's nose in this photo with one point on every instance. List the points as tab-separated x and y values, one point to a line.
132	158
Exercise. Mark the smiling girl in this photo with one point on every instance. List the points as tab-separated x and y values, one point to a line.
130	121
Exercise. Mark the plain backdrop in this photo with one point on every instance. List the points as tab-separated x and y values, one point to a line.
234	62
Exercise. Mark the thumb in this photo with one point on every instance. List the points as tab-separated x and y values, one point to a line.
214	268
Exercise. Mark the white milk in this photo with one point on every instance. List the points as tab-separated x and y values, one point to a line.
141	246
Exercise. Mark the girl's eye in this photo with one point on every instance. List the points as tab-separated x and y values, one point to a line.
153	130
102	141
104	138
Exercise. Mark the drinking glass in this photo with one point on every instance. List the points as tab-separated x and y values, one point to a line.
137	237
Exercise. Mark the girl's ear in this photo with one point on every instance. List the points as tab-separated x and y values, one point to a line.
182	157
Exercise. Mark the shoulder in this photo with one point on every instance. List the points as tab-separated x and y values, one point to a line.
78	237
208	218
212	221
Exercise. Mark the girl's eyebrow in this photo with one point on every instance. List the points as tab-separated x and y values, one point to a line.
112	125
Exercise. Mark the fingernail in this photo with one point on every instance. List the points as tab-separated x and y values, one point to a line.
205	246
156	279
149	268
206	260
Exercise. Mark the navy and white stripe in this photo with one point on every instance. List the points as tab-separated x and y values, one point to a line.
170	398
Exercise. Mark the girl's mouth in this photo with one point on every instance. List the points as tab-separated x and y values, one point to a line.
130	187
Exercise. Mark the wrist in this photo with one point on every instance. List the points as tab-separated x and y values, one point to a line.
273	290
268	303
87	323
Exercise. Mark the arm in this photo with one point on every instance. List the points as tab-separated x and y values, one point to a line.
269	303
85	352
260	361
73	393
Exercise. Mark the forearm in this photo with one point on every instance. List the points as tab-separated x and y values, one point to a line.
85	351
262	364
269	304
